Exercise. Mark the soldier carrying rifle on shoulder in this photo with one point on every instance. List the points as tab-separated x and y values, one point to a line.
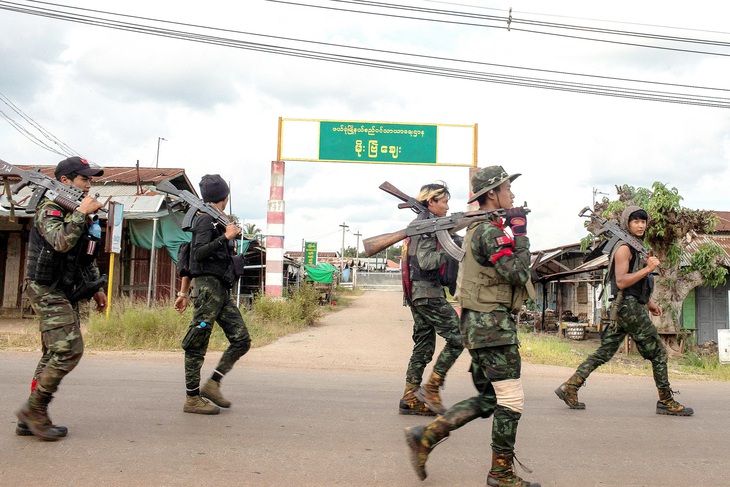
61	271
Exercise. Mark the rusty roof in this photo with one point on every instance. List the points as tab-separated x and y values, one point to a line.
724	223
121	175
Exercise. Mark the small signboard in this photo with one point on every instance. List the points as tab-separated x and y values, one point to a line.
723	345
114	228
310	253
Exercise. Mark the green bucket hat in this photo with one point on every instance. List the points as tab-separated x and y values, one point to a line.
488	178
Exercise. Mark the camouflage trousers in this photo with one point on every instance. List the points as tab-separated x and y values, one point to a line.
61	341
490	365
431	316
212	303
632	320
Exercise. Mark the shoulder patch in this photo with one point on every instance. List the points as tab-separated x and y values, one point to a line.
503	241
53	213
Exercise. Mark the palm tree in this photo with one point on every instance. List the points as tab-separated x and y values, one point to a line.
251	230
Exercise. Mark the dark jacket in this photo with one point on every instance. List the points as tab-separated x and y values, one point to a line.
211	251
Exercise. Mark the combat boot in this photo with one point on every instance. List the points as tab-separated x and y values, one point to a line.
198	405
35	416
409	403
502	473
667	405
21	429
422	440
568	392
212	390
428	393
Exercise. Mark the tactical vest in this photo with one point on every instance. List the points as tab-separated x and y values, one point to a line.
481	288
46	266
416	273
641	289
43	264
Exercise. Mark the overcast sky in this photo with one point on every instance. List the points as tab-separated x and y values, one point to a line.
109	94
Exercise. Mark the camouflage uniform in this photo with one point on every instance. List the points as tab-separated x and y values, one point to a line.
212	268
632	320
432	314
59	322
492	340
212	303
629	317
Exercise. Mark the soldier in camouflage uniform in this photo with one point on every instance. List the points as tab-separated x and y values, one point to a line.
432	313
212	268
58	239
494	279
631	285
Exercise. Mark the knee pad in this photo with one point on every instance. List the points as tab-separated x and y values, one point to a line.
510	394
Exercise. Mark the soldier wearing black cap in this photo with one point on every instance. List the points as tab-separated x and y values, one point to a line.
59	245
631	285
212	268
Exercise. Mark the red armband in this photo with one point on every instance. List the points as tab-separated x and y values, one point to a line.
501	253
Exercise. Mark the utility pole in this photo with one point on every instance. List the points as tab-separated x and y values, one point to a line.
157	158
342	254
357	245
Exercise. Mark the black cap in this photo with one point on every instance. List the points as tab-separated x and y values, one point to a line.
79	166
213	188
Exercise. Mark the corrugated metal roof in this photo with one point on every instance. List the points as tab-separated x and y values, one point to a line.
121	175
723	241
140	204
724	224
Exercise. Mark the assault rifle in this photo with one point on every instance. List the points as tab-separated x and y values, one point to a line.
614	234
441	226
64	195
408	202
194	205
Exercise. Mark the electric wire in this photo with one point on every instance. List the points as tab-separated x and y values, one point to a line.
510	22
411	67
61	148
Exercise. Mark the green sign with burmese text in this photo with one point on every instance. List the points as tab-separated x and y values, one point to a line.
377	142
310	253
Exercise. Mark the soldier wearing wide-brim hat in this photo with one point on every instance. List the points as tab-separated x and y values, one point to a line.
493	283
488	178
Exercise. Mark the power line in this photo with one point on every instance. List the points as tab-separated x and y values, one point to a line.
511	22
55	141
405	66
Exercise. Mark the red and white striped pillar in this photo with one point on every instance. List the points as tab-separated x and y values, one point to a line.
275	232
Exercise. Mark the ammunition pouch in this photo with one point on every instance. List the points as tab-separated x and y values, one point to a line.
239	261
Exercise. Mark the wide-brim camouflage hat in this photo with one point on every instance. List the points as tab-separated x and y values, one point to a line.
488	178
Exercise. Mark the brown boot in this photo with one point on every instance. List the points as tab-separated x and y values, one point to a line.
667	405
409	403
428	393
198	405
21	429
212	390
568	392
502	473
35	415
422	439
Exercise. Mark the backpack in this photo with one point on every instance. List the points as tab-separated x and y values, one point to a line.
183	260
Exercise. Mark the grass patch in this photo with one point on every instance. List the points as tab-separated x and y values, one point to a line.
133	326
548	349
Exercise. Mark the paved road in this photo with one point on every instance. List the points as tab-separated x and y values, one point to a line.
319	409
